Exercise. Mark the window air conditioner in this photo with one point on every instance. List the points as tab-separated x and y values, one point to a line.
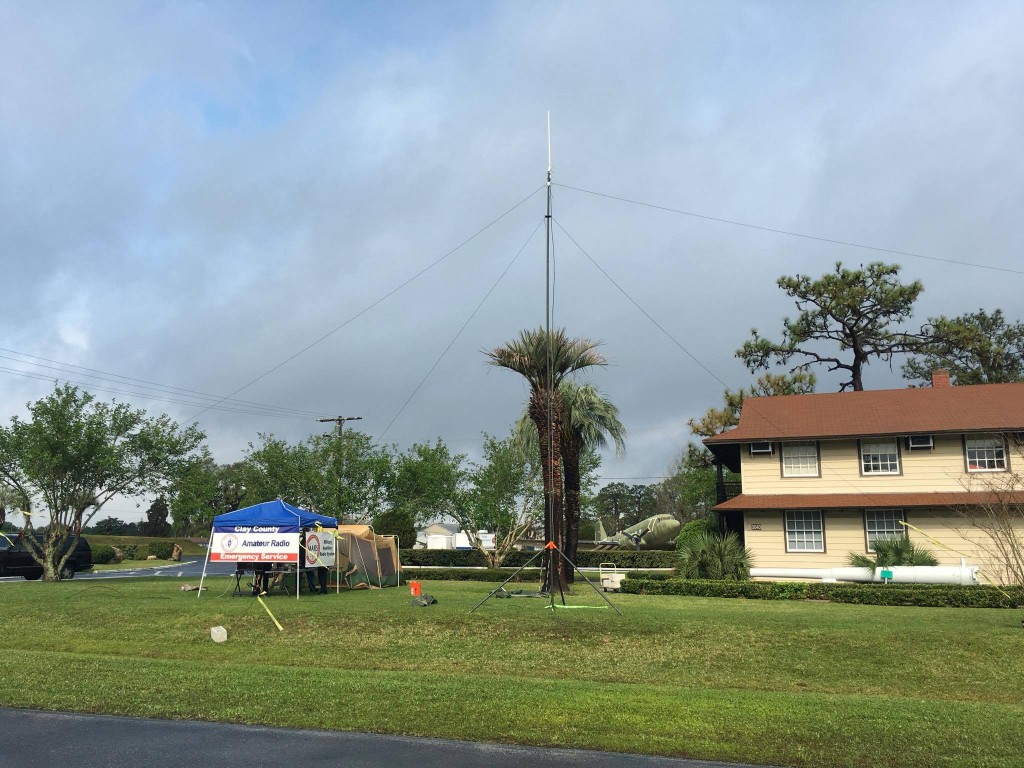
920	442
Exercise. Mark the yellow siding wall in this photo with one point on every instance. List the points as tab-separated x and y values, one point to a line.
844	533
939	469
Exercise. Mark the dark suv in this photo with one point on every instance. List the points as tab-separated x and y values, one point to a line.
16	560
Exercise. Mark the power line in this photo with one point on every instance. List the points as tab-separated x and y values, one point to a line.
646	314
855	487
120	379
791	233
90	387
383	298
459	333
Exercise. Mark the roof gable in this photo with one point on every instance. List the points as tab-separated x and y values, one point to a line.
975	408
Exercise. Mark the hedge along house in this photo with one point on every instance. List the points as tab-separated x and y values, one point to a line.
823	475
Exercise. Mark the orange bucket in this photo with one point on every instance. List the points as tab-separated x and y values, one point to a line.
415	588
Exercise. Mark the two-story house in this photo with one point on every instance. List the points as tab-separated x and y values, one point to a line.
823	475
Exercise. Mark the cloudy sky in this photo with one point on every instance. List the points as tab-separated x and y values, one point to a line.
192	193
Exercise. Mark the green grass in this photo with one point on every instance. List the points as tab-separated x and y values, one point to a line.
773	682
187	547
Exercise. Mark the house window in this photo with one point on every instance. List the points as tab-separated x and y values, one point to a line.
805	531
985	453
880	458
800	459
883	524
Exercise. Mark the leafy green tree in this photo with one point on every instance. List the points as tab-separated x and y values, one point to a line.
544	360
710	555
74	454
505	497
156	519
343	475
275	469
618	506
612	504
427	481
976	348
855	309
718	420
352	475
690	492
393	522
201	491
108	526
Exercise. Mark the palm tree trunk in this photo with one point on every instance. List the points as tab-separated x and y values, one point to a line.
551	464
571	465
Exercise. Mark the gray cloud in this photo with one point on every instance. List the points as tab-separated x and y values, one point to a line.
190	195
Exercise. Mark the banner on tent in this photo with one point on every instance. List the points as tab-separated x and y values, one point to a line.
320	548
254	544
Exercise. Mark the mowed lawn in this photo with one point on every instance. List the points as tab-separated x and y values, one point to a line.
797	683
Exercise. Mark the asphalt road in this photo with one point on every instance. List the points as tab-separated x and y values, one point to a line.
58	740
190	568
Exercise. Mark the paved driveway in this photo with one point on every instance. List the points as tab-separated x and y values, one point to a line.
190	568
58	740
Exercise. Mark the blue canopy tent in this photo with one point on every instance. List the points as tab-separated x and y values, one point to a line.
274	513
266	532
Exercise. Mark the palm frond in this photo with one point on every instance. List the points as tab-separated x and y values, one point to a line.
536	353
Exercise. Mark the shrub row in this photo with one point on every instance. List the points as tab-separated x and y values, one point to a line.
103	554
162	549
466	574
468	558
929	595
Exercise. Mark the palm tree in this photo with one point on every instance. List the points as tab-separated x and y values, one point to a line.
591	421
893	550
544	359
710	555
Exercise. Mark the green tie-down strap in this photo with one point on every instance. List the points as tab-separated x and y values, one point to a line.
422	601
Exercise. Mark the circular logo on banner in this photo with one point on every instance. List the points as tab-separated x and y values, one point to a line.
312	548
229	543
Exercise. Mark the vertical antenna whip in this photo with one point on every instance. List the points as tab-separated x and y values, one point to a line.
549	146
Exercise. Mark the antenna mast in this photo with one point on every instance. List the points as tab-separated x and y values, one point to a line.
551	579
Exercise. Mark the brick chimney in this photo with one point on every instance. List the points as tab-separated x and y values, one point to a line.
940	379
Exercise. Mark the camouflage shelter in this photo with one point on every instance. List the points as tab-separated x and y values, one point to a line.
366	560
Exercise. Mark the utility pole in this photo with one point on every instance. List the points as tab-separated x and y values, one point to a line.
340	421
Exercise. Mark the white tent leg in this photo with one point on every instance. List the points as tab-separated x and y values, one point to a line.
205	563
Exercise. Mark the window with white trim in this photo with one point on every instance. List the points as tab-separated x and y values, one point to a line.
880	457
800	459
883	524
985	453
805	531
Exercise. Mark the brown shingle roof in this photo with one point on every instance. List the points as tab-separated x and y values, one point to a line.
861	500
977	408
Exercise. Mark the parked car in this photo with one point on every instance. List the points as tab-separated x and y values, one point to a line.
16	560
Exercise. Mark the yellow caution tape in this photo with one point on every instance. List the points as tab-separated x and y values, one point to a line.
8	540
273	618
932	539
